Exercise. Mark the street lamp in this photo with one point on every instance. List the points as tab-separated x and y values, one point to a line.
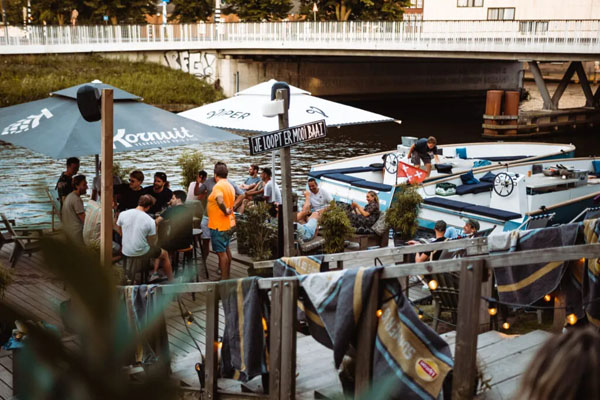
315	9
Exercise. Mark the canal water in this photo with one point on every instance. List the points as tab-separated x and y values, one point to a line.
24	173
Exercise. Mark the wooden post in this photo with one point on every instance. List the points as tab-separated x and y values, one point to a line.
289	299
541	85
286	180
212	342
275	341
463	381
367	332
106	219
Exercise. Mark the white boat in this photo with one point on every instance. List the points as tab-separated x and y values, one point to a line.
508	196
349	179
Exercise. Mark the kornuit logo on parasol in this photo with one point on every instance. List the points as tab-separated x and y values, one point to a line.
151	138
25	124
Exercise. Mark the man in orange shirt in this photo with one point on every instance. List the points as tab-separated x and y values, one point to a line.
220	217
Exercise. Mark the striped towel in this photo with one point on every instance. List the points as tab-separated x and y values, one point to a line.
244	344
525	284
408	351
292	266
591	273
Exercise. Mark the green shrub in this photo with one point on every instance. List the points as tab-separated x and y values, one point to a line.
254	233
403	213
190	161
335	228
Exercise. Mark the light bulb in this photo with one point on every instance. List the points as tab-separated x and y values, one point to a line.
379	313
492	311
506	325
433	284
420	314
572	319
547	298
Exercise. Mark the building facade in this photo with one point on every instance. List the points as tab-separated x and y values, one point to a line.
436	10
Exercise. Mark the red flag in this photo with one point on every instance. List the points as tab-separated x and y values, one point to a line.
413	174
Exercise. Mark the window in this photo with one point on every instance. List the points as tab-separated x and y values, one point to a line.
501	14
469	3
533	26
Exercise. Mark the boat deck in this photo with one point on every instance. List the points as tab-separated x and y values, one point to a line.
39	293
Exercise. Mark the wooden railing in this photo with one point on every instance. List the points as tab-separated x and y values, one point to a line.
284	294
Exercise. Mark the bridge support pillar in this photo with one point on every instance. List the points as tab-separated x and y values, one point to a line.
551	102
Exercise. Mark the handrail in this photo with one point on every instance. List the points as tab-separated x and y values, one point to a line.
567	36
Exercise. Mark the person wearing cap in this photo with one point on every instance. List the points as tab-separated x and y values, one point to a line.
471	227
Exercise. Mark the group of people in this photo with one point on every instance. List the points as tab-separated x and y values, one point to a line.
154	221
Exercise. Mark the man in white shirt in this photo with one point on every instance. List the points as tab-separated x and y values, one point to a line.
137	228
315	200
272	193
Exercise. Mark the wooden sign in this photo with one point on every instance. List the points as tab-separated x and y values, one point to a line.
287	137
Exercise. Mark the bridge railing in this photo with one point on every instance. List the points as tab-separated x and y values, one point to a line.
531	36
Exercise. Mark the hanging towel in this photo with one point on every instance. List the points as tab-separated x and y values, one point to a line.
525	284
243	351
291	266
408	350
591	273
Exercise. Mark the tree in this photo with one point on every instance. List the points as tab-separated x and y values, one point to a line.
358	10
119	11
258	10
191	10
53	11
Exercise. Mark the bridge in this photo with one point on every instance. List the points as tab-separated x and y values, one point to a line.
476	55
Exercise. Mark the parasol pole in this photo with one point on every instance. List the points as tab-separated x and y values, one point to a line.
106	221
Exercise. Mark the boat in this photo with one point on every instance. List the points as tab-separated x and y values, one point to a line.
349	179
506	197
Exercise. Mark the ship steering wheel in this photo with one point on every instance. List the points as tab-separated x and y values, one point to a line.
391	163
503	184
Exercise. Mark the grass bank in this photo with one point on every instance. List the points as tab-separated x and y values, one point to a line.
27	78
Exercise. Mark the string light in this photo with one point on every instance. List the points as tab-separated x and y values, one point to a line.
190	318
265	326
582	260
492	308
219	345
433	284
379	313
420	314
506	325
572	319
547	298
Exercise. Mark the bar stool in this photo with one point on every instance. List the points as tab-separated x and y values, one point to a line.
188	254
197	237
134	265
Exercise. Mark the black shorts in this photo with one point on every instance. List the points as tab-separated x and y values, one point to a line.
417	157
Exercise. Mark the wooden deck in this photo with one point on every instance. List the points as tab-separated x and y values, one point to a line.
39	293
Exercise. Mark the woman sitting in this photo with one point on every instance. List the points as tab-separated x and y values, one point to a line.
364	217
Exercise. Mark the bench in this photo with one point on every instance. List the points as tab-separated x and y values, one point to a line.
472	208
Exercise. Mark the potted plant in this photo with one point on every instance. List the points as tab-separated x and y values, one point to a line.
335	228
255	235
402	214
190	161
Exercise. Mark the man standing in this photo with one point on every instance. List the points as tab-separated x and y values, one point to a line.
424	150
65	182
161	193
221	218
471	227
138	230
178	219
315	200
128	194
73	213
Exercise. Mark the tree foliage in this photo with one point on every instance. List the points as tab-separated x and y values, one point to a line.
191	10
357	10
258	10
58	12
190	162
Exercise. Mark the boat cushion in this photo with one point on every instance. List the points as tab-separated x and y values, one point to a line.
342	177
461	152
481	163
350	170
463	206
444	168
474	188
468	178
372	185
596	165
489	177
